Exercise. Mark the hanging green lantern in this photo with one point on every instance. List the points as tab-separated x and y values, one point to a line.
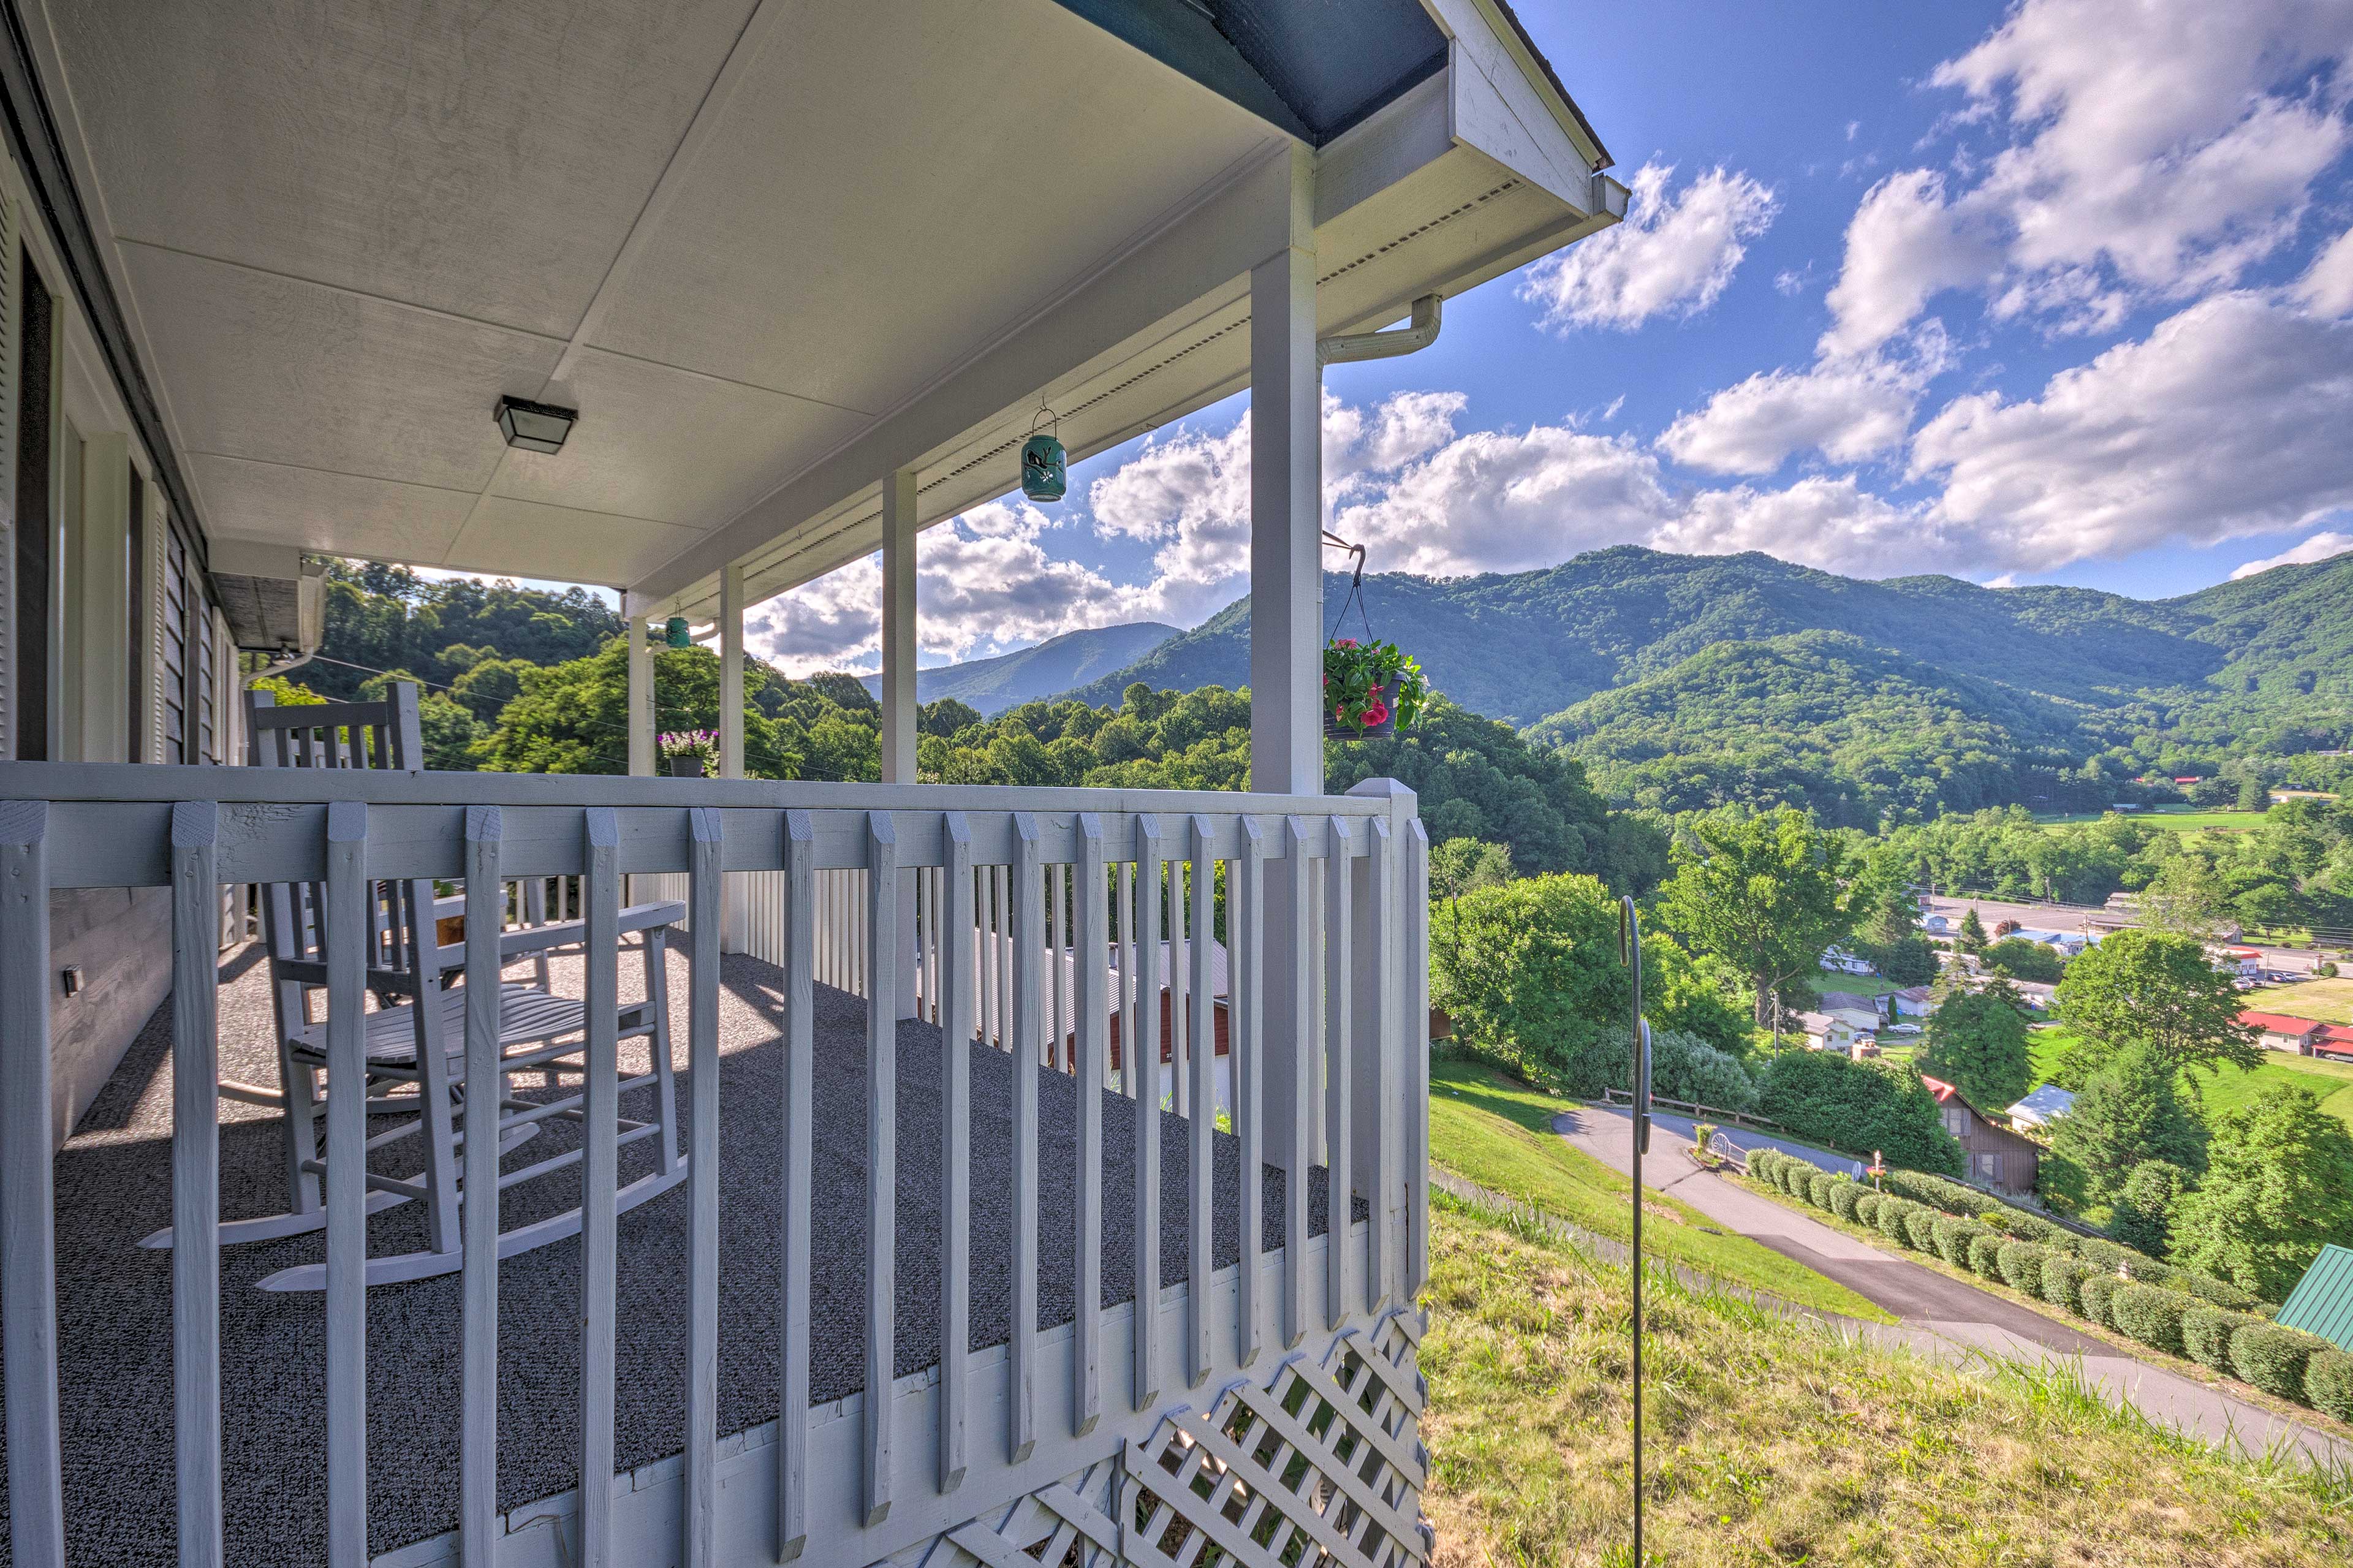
675	635
1044	464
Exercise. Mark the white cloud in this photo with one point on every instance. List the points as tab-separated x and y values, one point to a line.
1672	254
2157	149
1904	244
1849	409
2327	285
1831	523
2229	419
2319	547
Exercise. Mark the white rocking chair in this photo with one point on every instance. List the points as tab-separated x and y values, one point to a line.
416	1036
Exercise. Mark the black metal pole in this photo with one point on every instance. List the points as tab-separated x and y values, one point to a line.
1630	947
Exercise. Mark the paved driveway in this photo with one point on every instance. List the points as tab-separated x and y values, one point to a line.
1941	1316
1748	1141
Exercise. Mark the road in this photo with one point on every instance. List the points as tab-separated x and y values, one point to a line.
1941	1316
2071	917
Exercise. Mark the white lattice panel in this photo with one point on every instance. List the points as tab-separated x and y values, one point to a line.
1320	1468
1068	1525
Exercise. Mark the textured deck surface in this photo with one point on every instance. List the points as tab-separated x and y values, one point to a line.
115	1339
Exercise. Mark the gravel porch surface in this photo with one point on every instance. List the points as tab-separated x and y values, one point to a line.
114	1299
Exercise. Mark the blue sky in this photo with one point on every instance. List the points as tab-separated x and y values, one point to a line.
2057	291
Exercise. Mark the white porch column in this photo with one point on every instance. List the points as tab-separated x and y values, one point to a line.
1286	644
897	695
107	624
731	730
1286	510
641	696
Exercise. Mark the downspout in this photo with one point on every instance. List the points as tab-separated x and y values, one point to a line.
1350	347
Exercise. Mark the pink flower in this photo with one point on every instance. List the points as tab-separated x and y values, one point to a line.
1377	713
1344	642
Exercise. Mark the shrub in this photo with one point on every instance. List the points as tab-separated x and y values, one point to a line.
2105	1256
2328	1383
1797	1180
2206	1336
1846	1194
1762	1161
1920	1227
1891	1210
1952	1235
1867	1205
1985	1253
1818	1189
2061	1276
2219	1292
2020	1263
2032	1227
2151	1315
2273	1358
2143	1270
2095	1294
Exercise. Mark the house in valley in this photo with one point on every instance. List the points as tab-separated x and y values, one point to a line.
1992	1155
2282	1031
2334	1040
2041	1108
1912	1002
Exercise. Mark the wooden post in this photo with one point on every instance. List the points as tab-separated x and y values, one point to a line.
800	923
898	696
701	1500
478	1508
1200	1163
347	900
641	698
881	1159
1090	986
731	726
1245	984
953	918
1028	939
1339	997
1142	1055
599	1183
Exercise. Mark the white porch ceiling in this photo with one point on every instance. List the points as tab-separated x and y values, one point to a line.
755	242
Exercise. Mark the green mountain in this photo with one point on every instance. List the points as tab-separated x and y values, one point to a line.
990	686
1688	680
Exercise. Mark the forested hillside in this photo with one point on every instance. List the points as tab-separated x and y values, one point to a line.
1029	674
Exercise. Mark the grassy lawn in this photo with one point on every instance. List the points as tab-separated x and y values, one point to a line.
2231	1088
1773	1441
1489	1130
2330	1001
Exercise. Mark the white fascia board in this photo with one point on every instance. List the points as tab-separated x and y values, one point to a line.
1505	120
1218	240
1496	51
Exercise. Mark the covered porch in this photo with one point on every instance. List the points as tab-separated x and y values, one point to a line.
793	282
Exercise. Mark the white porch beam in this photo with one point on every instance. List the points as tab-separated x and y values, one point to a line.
899	703
642	698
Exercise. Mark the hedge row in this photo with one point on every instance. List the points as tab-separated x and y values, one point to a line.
2014	1224
2162	1307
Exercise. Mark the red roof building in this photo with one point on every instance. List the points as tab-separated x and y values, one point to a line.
2280	1032
2333	1040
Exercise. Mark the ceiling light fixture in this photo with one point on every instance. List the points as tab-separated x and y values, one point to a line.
534	426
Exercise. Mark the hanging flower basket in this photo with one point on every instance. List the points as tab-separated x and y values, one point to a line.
691	753
1370	689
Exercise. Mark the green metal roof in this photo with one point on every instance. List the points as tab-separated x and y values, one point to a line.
2322	1301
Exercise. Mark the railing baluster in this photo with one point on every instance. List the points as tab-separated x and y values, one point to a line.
1089	997
599	1183
1378	997
1245	1002
1023	982
1058	1011
28	1281
986	942
196	1180
1180	1082
1339	979
1143	1058
346	934
1299	1025
882	1156
953	990
478	1226
1417	1055
1003	889
1129	1078
705	885
803	931
1201	1164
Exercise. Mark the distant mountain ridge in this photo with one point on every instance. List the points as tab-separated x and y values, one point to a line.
1646	663
1027	674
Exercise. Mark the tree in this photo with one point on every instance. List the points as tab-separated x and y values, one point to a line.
1534	979
573	718
2254	794
1861	1106
1977	1042
2279	1184
2022	958
2128	1112
2143	1216
1686	1068
1972	937
1909	959
2160	987
1761	893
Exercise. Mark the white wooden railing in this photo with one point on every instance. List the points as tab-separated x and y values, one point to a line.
1324	920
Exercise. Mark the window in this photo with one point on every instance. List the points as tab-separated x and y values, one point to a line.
1957	1120
35	523
1986	1169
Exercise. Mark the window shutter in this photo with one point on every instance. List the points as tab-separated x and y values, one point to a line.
151	581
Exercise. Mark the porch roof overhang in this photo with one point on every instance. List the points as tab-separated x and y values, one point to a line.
771	252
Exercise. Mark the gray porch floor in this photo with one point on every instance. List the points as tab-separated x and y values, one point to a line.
114	1299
